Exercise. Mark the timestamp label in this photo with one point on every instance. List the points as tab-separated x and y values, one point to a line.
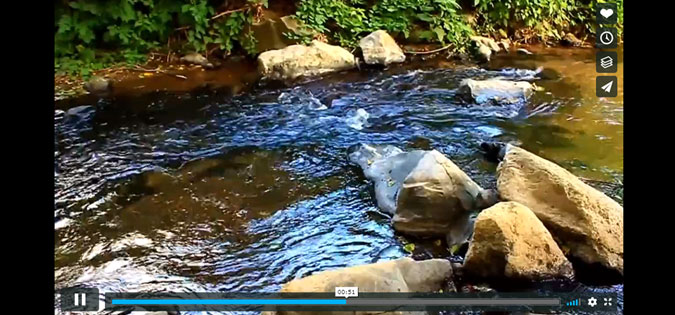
346	292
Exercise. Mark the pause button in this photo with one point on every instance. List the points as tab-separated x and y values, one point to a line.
79	300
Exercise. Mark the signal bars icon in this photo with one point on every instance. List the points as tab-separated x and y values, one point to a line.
573	303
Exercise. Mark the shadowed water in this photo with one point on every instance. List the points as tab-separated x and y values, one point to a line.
205	192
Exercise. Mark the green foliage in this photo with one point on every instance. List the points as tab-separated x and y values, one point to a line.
347	21
85	29
546	18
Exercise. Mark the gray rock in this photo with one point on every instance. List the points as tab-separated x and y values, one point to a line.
494	91
428	195
380	48
80	113
299	60
197	59
98	85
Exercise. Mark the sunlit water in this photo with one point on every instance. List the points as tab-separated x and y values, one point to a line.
213	193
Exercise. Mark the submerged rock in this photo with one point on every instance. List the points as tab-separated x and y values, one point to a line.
509	241
380	48
425	191
358	120
581	218
495	91
197	59
98	85
300	60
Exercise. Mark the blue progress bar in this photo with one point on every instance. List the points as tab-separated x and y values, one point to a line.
228	302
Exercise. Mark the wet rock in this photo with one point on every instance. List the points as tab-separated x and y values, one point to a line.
80	113
358	120
197	59
400	275
495	91
380	48
581	218
427	193
570	40
524	51
98	85
509	241
493	151
299	60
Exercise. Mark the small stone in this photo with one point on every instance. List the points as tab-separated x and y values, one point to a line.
197	59
524	51
98	85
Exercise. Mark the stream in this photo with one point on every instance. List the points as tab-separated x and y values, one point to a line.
194	192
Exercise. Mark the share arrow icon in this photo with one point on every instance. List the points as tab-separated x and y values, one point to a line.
608	87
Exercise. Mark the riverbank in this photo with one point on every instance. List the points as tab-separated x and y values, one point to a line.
233	76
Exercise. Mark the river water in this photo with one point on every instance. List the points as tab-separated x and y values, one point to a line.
209	192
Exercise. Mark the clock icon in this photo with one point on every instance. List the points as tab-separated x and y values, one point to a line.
606	38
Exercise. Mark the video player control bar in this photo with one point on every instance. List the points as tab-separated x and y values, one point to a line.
360	301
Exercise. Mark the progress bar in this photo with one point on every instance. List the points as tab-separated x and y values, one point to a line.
353	301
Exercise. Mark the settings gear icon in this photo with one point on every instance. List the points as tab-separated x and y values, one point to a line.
592	302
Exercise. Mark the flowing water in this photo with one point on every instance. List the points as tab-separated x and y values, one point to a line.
210	192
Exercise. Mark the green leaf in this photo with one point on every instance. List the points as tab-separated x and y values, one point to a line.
410	247
455	248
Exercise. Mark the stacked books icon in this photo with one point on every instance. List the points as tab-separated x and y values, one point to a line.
606	62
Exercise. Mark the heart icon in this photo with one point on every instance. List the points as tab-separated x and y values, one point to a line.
606	13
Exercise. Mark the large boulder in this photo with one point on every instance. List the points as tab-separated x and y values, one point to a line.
494	91
427	194
581	218
300	60
400	275
509	241
380	48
